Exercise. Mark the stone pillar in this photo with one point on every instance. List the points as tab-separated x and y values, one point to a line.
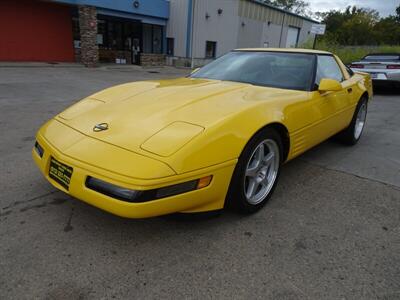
88	31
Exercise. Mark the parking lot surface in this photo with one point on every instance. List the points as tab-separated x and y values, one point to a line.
330	231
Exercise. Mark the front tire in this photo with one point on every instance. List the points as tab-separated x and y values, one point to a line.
352	134
256	173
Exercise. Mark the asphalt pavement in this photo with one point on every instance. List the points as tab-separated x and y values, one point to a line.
331	230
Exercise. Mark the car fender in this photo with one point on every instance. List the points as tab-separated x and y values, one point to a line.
225	140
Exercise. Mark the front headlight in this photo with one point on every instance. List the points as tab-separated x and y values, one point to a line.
135	196
111	190
39	150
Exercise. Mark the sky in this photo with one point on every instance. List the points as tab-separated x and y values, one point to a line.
385	7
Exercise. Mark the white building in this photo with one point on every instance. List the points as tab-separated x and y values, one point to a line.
206	29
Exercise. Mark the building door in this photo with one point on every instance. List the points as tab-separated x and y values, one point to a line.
137	46
35	31
292	37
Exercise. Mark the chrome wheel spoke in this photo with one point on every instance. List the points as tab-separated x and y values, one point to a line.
251	189
269	159
252	171
260	154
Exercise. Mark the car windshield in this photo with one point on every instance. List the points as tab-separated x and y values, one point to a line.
273	69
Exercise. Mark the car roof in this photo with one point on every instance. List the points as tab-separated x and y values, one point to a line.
292	50
384	54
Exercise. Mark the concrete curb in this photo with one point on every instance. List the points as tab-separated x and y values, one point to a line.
78	65
39	65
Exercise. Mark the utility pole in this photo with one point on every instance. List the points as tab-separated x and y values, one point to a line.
315	41
192	36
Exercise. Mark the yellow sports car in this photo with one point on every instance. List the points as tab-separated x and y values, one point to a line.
216	138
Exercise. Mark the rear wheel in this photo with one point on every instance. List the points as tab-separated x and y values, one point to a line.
352	134
256	173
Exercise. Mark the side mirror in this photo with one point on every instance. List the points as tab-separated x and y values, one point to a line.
329	85
194	71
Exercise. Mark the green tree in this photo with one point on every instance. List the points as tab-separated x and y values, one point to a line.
357	26
387	31
354	26
358	29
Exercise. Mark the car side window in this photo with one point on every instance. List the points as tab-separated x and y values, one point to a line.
327	67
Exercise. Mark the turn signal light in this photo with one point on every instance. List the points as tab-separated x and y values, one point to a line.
203	182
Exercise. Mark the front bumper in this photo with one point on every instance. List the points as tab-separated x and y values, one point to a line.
209	198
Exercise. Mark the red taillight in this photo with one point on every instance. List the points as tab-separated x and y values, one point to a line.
392	67
355	66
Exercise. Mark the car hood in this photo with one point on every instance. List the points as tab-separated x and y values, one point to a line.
142	116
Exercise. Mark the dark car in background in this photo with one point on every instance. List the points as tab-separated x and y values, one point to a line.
383	67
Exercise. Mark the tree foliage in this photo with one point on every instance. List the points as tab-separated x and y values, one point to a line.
361	26
297	6
398	14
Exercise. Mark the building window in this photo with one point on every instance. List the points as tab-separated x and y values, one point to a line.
101	32
147	37
152	38
170	46
76	33
157	39
119	34
111	34
211	49
75	28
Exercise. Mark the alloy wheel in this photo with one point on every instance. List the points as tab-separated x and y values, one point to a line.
360	121
261	171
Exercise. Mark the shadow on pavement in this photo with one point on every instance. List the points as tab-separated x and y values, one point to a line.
388	90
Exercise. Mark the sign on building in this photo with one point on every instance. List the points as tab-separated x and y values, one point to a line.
318	29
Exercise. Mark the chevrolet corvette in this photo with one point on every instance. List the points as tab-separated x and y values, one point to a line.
384	68
214	139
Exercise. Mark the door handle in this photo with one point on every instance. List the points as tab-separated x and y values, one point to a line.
349	90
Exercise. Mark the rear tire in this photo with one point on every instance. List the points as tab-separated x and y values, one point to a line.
256	173
352	134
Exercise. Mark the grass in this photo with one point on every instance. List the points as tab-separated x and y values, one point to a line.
350	54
